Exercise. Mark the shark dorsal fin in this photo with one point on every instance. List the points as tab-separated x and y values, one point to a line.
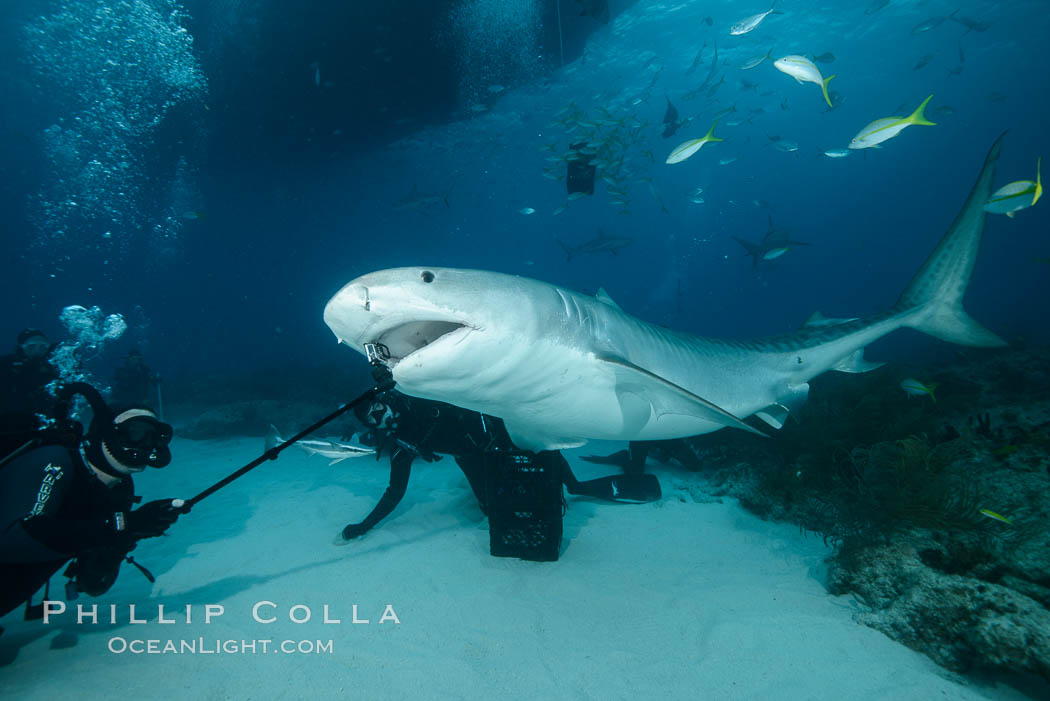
816	319
604	297
273	438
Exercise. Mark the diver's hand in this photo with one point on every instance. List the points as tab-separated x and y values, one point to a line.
151	520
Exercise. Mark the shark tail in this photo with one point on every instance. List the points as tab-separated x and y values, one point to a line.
567	248
753	250
933	298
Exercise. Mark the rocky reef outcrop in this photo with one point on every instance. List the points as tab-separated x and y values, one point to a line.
939	511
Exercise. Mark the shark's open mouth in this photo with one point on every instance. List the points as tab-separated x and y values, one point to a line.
405	339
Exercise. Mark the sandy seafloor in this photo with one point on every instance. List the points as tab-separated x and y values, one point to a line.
680	599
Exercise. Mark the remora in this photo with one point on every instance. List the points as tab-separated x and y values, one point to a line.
562	367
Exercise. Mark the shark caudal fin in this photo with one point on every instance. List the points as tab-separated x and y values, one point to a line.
936	292
753	250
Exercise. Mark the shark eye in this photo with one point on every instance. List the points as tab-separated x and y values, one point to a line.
427	276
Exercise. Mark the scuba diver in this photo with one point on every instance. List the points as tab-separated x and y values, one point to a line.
134	382
66	495
25	375
408	427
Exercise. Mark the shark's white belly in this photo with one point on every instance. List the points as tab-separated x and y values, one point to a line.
551	394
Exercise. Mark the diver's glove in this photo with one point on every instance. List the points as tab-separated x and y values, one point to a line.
149	520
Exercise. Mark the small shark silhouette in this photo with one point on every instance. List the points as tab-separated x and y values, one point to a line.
599	244
774	244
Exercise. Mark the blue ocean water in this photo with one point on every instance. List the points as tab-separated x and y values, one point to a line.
215	171
197	179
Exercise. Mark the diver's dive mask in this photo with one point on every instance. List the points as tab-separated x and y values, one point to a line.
138	439
380	415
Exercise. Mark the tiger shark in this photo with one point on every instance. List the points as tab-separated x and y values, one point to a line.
560	367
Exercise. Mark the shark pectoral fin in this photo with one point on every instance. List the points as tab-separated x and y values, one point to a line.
339	459
635	408
775	415
665	397
855	362
525	439
603	296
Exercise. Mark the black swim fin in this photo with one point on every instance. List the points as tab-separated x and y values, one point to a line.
622	488
620	459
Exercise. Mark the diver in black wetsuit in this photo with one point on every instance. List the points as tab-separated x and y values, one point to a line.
74	500
25	375
408	427
134	382
632	460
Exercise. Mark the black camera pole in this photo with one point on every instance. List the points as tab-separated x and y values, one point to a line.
377	354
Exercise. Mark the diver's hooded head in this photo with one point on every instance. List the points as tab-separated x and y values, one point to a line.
32	343
127	441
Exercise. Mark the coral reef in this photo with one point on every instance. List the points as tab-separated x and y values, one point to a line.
958	619
939	512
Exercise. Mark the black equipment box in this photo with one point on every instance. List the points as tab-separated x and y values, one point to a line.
524	493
